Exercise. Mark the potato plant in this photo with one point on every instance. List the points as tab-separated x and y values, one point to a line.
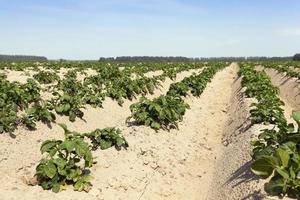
126	88
31	91
106	138
68	161
277	156
162	112
8	117
70	86
170	73
38	112
111	81
268	108
267	112
46	77
15	97
69	106
92	97
179	89
194	84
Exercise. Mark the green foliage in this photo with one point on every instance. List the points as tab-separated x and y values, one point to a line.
96	81
277	155
125	88
19	94
195	83
31	91
268	108
93	98
70	86
3	76
112	80
89	92
178	89
284	68
71	74
166	110
68	161
106	138
46	77
8	117
13	98
38	112
267	111
276	152
69	105
170	72
162	112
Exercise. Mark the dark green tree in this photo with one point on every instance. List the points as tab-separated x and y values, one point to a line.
296	57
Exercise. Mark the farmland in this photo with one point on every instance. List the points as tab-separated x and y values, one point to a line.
150	130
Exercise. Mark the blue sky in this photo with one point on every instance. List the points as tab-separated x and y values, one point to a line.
88	29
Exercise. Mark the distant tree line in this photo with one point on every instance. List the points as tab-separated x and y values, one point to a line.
156	58
146	58
184	59
296	57
21	58
286	58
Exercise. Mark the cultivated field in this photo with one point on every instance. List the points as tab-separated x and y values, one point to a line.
193	130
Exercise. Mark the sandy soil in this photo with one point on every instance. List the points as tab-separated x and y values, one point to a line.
18	76
233	178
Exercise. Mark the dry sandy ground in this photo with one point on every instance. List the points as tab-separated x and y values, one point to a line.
207	158
233	178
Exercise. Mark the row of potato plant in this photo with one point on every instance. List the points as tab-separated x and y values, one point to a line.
276	151
283	68
139	68
289	68
167	110
62	166
70	95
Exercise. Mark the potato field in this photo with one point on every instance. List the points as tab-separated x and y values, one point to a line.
150	130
